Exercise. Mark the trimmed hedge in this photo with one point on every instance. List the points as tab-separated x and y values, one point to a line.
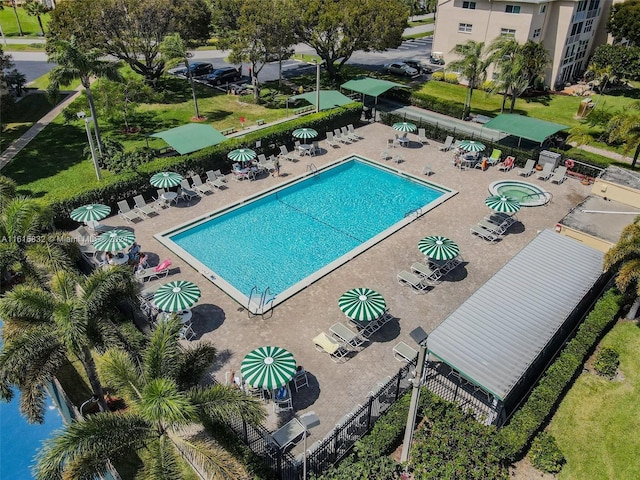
437	104
129	184
524	424
545	454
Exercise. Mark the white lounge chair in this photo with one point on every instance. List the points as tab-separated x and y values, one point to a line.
126	212
200	187
427	170
546	172
447	144
330	140
214	181
346	335
338	136
404	353
559	175
159	271
353	132
422	136
415	282
484	233
430	275
385	155
496	228
185	192
528	169
220	176
336	350
143	207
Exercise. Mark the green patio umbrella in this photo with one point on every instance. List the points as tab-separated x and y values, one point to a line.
439	248
502	204
405	127
471	146
176	296
241	155
166	179
114	240
90	213
362	304
268	367
305	133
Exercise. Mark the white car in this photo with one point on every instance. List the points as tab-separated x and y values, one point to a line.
400	68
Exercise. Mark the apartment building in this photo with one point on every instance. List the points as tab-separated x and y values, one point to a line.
567	28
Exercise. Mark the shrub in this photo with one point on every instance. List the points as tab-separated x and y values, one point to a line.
545	454
451	78
607	362
487	86
437	76
437	104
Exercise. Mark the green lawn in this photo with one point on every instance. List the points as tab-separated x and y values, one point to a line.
29	24
597	424
417	35
24	47
426	21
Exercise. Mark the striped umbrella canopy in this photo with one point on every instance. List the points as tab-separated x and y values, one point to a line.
166	179
305	133
90	213
114	240
176	296
241	155
405	127
503	204
439	248
471	146
362	304
268	367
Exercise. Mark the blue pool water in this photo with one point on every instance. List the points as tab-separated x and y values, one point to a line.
282	238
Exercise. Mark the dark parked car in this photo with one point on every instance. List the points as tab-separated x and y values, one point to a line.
400	68
223	75
197	69
420	66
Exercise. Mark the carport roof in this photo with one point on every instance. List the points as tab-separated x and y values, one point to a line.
190	137
524	127
328	98
373	87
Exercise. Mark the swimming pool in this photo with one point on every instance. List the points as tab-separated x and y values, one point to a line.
283	239
528	194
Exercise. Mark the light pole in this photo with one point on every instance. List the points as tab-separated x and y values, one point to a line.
308	420
317	85
420	336
86	119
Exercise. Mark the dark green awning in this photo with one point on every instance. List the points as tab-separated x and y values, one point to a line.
191	137
373	87
328	98
524	127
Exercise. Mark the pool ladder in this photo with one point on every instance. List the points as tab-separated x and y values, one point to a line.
416	212
265	304
312	168
547	195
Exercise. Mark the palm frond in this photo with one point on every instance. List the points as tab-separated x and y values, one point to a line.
117	370
160	462
27	304
195	362
628	274
49	257
163	404
103	286
162	356
220	403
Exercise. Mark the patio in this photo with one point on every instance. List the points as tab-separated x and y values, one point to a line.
336	388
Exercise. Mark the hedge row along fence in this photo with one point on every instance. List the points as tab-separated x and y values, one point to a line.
531	417
129	184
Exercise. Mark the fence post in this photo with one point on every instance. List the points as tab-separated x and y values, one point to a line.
245	433
369	413
398	386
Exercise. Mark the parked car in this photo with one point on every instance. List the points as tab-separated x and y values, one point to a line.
436	60
419	65
197	69
400	68
223	75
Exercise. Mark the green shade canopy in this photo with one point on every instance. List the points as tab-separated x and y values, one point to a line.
439	248
373	87
524	127
90	213
166	179
241	155
328	99
268	367
503	204
114	240
404	127
191	137
471	146
362	304
305	133
176	296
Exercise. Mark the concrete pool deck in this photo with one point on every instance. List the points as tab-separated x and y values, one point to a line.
336	388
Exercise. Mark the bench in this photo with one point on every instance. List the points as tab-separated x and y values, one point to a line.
303	110
260	121
288	433
404	353
227	131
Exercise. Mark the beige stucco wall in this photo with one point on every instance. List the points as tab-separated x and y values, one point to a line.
618	193
594	242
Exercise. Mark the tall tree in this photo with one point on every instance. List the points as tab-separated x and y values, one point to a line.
624	21
624	259
506	56
536	59
163	397
15	12
172	48
336	29
74	62
36	8
43	327
472	65
624	127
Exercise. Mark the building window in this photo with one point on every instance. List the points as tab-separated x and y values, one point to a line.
469	5
512	8
465	27
507	32
543	8
536	33
582	5
588	25
576	29
594	4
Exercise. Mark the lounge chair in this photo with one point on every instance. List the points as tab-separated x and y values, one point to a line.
484	233
346	335
287	434
559	175
430	275
200	187
330	141
404	353
98	227
353	132
336	350
348	135
214	181
415	282
341	138
496	228
385	155
126	212
398	158
507	164
143	207
495	157
220	176
422	136
546	172
447	144
284	153
528	169
160	271
502	219
427	170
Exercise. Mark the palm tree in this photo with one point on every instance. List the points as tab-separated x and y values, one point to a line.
15	12
73	62
163	398
43	327
536	59
472	66
7	191
625	127
624	257
36	8
505	53
173	47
